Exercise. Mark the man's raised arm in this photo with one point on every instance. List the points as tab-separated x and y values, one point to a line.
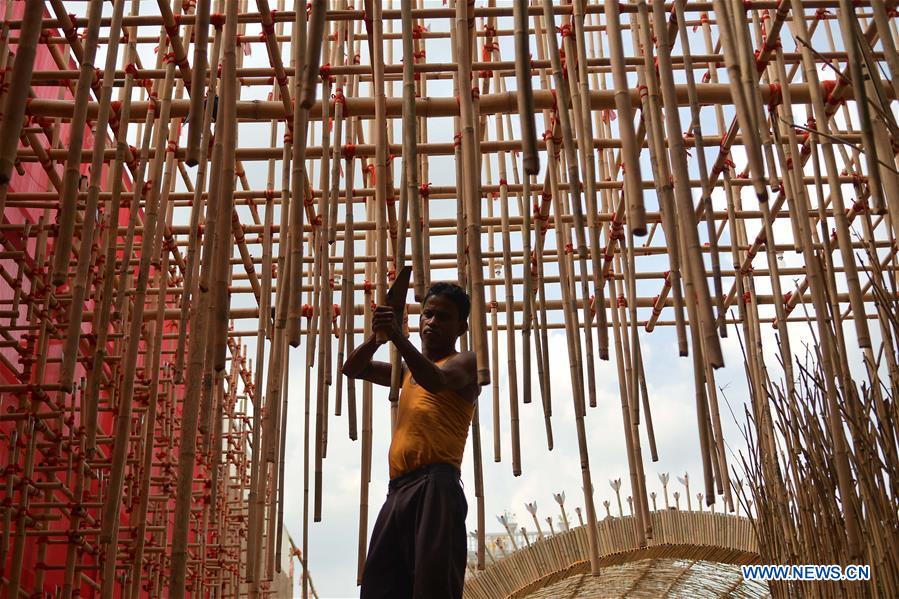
456	374
359	364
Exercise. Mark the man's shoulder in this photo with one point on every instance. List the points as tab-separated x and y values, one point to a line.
467	359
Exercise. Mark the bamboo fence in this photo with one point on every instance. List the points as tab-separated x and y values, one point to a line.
225	198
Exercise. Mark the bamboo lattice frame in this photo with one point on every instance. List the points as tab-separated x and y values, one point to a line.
140	432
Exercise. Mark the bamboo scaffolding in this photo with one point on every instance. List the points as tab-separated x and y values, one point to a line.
125	381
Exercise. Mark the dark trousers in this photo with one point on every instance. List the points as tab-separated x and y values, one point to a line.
418	547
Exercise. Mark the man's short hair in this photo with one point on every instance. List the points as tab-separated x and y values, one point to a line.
455	294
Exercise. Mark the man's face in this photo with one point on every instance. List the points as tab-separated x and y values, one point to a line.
440	323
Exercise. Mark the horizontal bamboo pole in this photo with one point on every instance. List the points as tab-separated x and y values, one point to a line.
501	103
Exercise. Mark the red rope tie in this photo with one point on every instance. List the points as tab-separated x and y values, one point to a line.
306	311
148	185
622	301
349	151
503	182
357	59
565	30
475	93
366	287
288	137
169	58
703	20
339	98
829	88
172	146
418	31
269	195
609	115
775	95
131	69
760	64
457	139
487	50
325	72
420	55
747	4
424	190
317	221
617	231
747	298
822	14
569	248
74	28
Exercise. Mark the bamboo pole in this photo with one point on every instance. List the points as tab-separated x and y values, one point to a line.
839	429
79	288
630	156
198	94
72	174
202	317
471	192
15	105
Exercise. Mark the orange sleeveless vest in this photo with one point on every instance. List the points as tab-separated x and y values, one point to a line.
430	428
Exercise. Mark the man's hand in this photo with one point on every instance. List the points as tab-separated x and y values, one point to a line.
384	321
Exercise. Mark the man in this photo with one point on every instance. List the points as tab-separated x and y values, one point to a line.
418	547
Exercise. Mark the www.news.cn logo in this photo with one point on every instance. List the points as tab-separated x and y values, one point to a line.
806	572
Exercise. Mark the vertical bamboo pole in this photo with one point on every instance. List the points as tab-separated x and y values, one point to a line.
198	83
112	504
410	153
72	174
510	312
586	148
530	156
190	416
14	106
630	152
155	350
192	269
697	278
851	35
79	289
472	190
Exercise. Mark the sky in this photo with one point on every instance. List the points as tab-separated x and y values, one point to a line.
333	541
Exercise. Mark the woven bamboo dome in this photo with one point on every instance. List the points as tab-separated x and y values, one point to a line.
199	194
692	554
